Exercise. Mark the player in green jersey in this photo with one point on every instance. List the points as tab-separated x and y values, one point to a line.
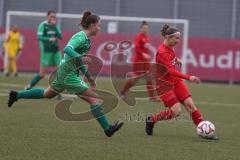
67	77
48	35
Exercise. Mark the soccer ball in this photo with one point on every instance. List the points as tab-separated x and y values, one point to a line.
205	129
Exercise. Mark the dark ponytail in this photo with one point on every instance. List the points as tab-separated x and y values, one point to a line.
167	30
88	18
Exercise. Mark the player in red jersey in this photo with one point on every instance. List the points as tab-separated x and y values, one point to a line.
179	94
141	63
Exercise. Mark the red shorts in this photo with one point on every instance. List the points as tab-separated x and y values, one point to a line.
179	93
141	67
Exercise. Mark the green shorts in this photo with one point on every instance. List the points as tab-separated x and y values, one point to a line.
72	83
50	59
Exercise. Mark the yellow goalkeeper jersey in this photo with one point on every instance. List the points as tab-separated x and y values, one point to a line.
13	44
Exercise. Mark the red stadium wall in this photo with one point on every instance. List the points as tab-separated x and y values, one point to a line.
211	59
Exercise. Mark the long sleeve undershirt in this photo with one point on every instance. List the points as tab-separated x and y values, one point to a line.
70	52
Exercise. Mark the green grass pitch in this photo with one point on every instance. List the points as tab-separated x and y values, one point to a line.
30	129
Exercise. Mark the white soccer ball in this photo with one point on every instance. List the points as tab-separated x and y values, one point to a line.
205	129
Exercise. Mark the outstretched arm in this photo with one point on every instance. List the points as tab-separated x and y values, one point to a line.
176	73
166	61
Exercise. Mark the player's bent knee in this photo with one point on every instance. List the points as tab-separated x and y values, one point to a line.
176	109
42	75
96	101
49	96
190	106
49	93
91	100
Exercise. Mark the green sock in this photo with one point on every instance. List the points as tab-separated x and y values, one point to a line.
35	93
99	115
35	80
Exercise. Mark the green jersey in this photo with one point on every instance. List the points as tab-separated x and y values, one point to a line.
44	33
67	76
79	43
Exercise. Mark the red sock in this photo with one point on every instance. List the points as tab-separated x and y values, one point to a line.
126	87
163	115
197	117
150	88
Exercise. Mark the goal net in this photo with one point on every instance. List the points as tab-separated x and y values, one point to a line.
114	29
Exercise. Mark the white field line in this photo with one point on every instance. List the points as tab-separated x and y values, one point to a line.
16	85
11	85
4	92
217	104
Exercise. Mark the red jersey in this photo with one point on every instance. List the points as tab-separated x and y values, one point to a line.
167	57
140	48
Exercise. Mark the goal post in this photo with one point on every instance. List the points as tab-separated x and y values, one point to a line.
118	19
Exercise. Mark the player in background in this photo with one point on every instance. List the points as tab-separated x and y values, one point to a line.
141	63
180	93
48	34
67	76
12	46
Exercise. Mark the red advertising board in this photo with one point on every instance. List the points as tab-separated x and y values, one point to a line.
210	59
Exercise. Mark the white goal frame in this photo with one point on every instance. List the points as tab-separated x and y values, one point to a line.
113	18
